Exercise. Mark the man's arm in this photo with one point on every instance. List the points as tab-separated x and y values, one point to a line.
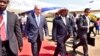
54	29
18	33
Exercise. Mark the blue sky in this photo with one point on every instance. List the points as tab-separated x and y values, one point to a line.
75	4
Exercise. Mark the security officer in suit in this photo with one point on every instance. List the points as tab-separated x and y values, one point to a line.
83	29
10	32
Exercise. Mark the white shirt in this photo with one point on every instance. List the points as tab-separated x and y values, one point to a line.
88	21
64	19
5	20
37	19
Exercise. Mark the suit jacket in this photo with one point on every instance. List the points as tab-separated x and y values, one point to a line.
0	48
60	30
82	25
33	30
13	33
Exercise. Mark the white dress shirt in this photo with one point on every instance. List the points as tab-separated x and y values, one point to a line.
4	21
5	18
64	19
37	19
88	21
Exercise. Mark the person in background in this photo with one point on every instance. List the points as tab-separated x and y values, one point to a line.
10	32
23	23
74	29
35	27
98	26
91	29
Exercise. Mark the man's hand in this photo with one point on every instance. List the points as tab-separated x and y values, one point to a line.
20	49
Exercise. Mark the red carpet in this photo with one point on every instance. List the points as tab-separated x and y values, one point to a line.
47	49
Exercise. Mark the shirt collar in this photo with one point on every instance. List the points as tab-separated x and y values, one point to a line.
36	15
4	12
62	17
65	16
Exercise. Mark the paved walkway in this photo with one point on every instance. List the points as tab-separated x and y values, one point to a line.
49	46
93	51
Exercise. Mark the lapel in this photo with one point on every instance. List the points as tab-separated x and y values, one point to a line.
34	19
84	19
8	21
41	19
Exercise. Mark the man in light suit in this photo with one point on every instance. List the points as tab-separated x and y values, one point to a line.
35	25
62	29
10	32
83	29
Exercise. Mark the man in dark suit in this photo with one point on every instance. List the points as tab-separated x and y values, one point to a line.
62	29
10	32
83	29
35	25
